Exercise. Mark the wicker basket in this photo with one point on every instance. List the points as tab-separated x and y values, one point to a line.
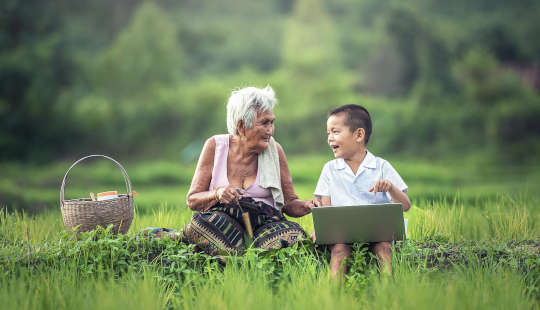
89	214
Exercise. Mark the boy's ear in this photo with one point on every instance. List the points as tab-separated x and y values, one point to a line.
360	135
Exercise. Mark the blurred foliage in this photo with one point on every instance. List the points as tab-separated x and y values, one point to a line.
151	78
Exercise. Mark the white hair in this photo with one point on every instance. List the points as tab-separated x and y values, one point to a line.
244	103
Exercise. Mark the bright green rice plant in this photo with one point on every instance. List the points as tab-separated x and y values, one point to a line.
471	288
504	219
66	289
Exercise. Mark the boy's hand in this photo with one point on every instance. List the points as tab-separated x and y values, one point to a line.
313	237
381	186
310	204
313	203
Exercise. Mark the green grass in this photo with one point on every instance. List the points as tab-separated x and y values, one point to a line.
473	231
34	188
502	219
64	289
247	287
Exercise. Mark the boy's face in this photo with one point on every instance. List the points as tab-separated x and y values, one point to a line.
344	143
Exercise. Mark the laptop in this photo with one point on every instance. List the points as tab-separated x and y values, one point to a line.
362	223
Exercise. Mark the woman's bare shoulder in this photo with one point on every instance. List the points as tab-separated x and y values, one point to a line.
281	151
207	153
211	142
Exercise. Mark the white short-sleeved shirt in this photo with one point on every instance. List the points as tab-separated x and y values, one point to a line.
345	188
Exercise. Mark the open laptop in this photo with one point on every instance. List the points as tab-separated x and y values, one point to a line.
362	223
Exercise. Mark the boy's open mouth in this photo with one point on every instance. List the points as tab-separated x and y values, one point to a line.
334	147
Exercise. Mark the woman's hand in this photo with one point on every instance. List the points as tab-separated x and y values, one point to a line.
229	194
293	206
300	208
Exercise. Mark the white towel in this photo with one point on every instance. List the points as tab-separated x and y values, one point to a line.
269	173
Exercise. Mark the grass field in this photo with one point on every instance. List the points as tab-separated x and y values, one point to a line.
474	243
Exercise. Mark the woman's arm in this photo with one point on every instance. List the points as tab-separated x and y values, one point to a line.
293	206
199	198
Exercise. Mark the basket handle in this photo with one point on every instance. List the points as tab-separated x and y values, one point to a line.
124	173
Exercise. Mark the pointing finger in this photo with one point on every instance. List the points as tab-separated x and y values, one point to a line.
377	188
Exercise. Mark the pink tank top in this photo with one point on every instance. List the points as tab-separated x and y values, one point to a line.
219	173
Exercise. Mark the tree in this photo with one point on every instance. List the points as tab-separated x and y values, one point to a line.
131	82
310	45
145	53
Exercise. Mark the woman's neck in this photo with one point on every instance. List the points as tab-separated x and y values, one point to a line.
245	152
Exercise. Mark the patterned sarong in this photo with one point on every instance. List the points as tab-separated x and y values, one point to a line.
221	229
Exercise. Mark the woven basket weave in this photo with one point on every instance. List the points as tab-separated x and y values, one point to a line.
89	214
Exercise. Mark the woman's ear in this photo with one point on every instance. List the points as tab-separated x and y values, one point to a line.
241	128
360	135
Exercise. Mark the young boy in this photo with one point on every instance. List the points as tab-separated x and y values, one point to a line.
357	177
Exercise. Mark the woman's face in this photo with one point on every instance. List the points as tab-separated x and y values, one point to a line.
258	136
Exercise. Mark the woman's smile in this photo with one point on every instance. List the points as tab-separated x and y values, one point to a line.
261	132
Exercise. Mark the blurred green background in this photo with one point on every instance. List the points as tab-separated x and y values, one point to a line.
454	83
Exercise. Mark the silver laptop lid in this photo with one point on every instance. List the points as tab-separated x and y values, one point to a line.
363	223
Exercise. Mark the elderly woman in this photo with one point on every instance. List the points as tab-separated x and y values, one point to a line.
242	185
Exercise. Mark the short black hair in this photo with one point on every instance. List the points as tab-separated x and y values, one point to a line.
357	117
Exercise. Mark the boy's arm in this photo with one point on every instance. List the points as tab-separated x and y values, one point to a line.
394	185
400	197
396	194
